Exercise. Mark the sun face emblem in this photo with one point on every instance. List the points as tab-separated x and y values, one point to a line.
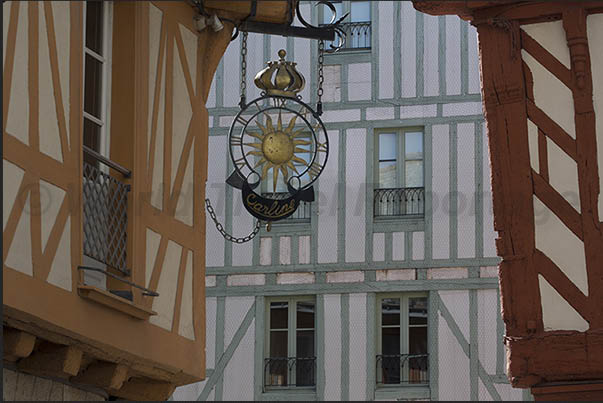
277	148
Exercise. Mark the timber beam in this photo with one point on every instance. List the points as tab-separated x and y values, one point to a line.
144	389
52	360
103	374
17	344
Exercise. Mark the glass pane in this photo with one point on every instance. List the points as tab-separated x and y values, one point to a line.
93	86
94	26
277	363
390	340
413	174
278	343
92	136
390	311
417	311
390	358
278	315
417	340
305	344
387	175
327	14
387	146
305	315
414	145
361	11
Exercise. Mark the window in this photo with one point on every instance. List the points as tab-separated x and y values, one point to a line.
399	173
290	343
402	355
357	25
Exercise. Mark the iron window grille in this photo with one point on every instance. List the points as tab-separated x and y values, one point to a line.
399	202
402	369
301	215
278	372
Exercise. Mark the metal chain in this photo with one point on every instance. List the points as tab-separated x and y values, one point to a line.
226	235
321	78
243	71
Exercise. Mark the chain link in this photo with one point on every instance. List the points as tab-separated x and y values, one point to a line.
243	70
226	235
321	78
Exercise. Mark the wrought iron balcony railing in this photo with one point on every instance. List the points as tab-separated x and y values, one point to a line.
289	371
357	35
303	212
105	213
399	202
402	369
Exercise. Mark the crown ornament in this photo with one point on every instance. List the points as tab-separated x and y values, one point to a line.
280	78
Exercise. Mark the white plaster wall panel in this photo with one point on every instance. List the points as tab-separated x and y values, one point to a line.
245	279
157	184
353	276
211	98
210	281
182	112
396	275
304	249
431	81
355	195
285	250
155	20
533	146
295	278
189	41
60	269
332	83
379	113
302	54
418	111
385	49
462	109
551	95
239	372
398	245
242	223
225	121
185	327
445	273
474	85
235	310
210	332
328	195
457	303
12	176
490	271
17	120
563	174
557	313
152	241
453	365
551	36
168	283
332	326
232	63
184	205
19	254
453	55
359	81
409	49
507	392
440	186
215	190
490	234
466	190
265	251
418	245
189	392
255	62
344	115
358	345
378	247
487	315
556	241
483	393
594	31
50	141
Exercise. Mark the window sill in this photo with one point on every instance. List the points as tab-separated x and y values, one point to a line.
113	301
393	392
398	223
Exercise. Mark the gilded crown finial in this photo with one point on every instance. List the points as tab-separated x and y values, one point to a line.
286	82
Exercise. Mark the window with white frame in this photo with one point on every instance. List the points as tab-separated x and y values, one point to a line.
357	26
399	172
402	352
290	349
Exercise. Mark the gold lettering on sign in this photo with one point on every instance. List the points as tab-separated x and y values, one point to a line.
273	211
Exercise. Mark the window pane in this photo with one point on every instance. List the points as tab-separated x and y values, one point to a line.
414	174
387	175
361	11
417	311
390	359
390	340
93	86
304	370
278	315
92	135
417	340
387	146
94	26
278	364
414	145
305	315
390	311
278	343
